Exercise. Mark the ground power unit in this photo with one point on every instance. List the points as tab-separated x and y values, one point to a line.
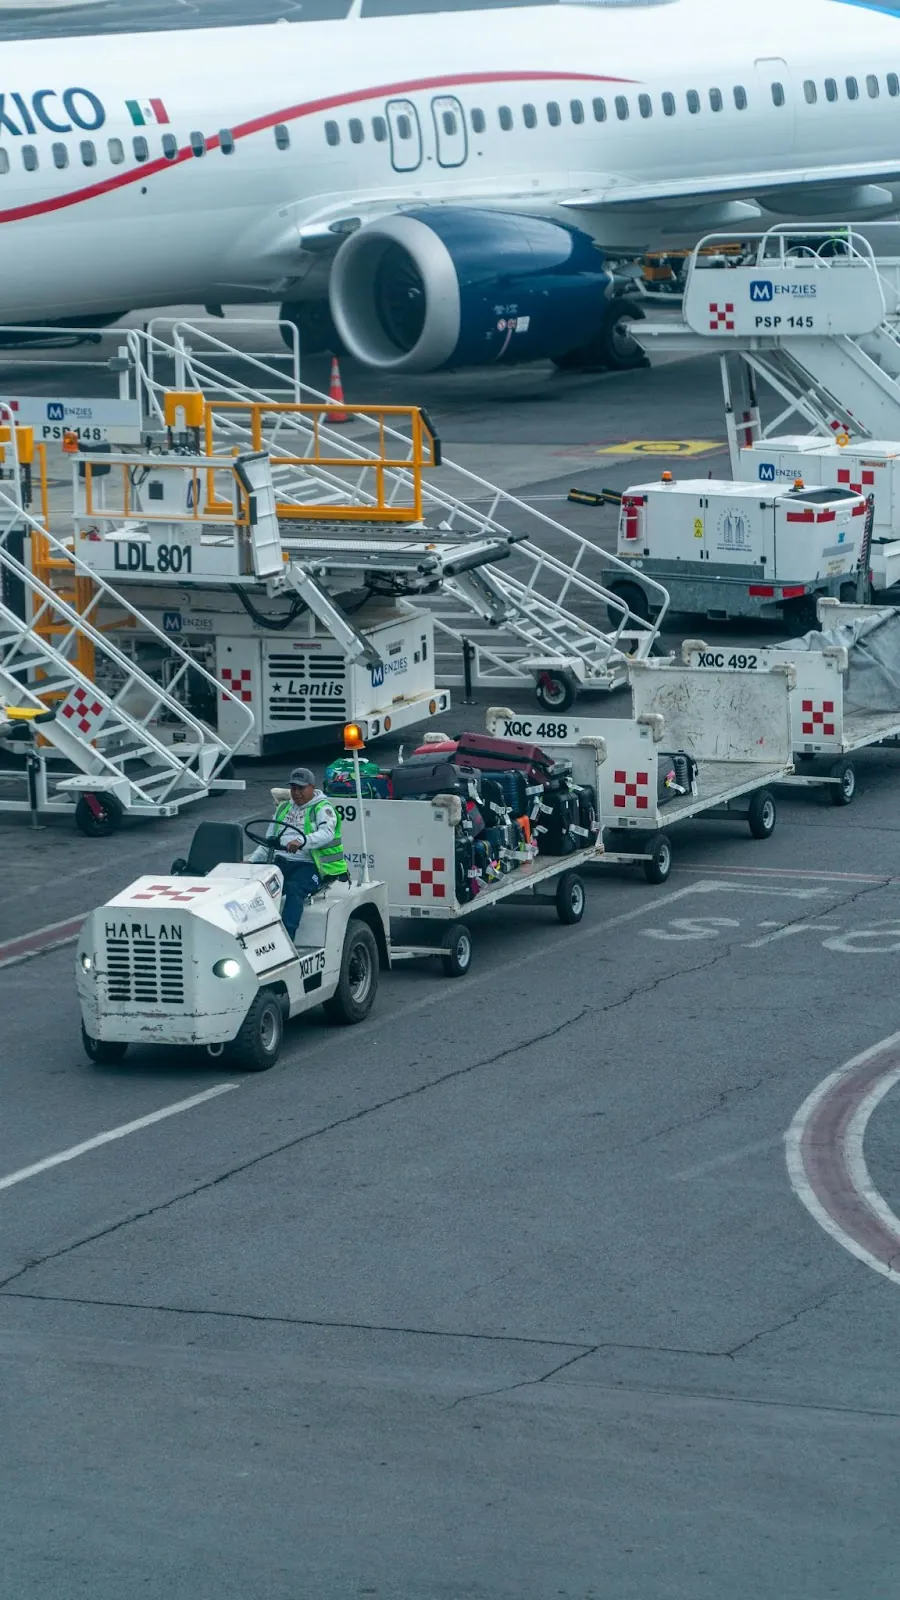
726	549
868	466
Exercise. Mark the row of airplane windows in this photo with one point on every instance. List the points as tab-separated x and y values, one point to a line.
403	127
88	153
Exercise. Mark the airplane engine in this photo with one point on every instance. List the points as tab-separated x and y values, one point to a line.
450	287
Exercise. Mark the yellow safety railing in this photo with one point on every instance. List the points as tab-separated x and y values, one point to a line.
417	449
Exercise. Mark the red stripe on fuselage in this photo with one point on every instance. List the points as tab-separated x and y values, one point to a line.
307	108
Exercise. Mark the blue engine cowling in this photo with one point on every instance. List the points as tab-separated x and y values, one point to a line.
453	287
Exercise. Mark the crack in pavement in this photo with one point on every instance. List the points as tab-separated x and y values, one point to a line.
804	1311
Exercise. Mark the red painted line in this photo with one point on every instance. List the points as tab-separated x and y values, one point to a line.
307	108
33	944
823	1151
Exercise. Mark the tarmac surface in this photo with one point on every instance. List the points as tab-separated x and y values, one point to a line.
507	1294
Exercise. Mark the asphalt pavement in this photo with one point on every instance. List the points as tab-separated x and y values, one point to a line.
508	1294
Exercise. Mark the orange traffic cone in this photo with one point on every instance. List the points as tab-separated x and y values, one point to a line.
336	394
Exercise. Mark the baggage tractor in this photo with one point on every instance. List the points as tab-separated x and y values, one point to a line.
416	780
558	818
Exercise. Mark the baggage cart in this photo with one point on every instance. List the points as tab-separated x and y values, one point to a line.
825	732
735	724
411	846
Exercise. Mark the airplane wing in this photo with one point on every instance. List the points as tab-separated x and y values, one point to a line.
737	186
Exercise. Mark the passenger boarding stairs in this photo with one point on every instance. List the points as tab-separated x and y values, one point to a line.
378	483
812	312
126	735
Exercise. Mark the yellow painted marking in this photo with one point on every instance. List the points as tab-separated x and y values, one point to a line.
661	447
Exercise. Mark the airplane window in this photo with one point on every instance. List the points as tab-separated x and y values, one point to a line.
4	162
622	111
141	148
852	89
29	158
554	116
379	128
715	99
60	155
226	142
873	86
576	110
169	146
88	153
893	85
740	97
778	93
283	138
198	144
693	102
599	110
356	131
332	133
116	151
478	120
449	120
505	116
529	116
831	89
811	92
645	105
668	103
404	126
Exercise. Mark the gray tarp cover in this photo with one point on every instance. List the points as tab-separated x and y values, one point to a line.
872	682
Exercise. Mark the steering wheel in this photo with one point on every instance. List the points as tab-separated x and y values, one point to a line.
273	832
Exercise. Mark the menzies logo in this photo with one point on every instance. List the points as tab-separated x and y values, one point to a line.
766	472
58	110
762	290
377	671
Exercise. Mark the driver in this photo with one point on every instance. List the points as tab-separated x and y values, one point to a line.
308	849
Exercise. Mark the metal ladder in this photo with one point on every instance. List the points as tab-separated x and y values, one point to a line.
106	726
846	381
549	604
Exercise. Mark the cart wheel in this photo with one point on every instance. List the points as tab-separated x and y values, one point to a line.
659	849
354	996
258	1043
570	898
105	1052
843	792
456	947
98	815
554	692
762	814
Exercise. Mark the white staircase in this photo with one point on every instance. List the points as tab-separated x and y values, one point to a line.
546	605
124	733
812	312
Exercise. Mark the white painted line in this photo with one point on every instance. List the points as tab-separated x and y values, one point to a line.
848	1155
76	1150
792	872
728	1159
789	932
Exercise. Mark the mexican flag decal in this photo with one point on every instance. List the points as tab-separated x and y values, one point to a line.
143	112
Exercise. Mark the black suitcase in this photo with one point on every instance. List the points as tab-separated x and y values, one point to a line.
494	803
558	816
676	776
588	825
465	868
416	780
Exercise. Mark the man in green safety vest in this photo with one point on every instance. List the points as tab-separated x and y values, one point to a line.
306	842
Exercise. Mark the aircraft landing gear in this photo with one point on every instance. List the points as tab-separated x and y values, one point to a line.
613	349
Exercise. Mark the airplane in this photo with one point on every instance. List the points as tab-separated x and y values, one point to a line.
434	191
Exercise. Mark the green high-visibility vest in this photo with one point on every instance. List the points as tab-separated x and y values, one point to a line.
329	860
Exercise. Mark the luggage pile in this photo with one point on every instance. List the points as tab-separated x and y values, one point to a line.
517	802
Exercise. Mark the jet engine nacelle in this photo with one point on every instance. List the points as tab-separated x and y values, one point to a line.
448	287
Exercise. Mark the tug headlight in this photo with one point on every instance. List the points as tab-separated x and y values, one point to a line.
227	969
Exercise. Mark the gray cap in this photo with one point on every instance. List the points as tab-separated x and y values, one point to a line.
301	776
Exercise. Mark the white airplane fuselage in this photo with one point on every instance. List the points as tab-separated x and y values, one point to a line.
328	124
